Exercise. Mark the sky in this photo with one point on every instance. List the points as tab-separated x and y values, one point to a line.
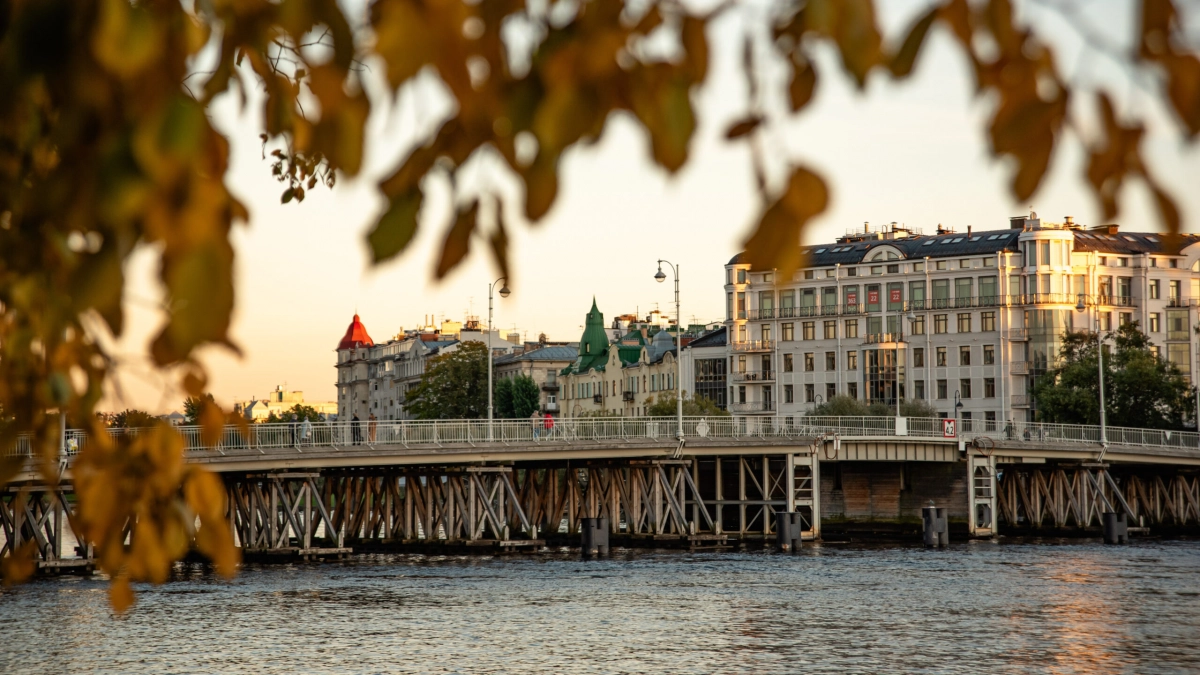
913	152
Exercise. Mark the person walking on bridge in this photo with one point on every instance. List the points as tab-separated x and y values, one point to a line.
356	429
549	425
535	420
293	427
306	432
372	424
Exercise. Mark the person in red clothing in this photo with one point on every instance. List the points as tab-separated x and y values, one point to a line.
549	422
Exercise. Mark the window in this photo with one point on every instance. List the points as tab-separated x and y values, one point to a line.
851	360
852	389
989	387
765	332
962	291
831	330
741	276
964	322
989	355
941	389
850	295
941	357
1044	253
1126	317
893	269
964	355
941	293
964	387
1173	290
989	423
810	330
1155	290
873	298
874	325
729	305
1154	322
919	357
851	327
987	321
741	364
766	304
831	361
1173	263
830	390
741	393
809	362
1177	324
964	264
788	331
1106	321
919	389
941	264
810	394
939	324
741	304
787	394
787	363
918	326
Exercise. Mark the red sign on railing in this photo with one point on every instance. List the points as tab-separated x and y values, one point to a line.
948	430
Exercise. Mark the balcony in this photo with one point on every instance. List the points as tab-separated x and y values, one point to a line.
754	346
1021	367
1045	299
550	385
1021	400
752	407
1180	302
1177	336
627	396
755	376
551	407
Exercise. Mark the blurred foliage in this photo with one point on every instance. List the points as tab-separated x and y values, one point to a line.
106	144
516	397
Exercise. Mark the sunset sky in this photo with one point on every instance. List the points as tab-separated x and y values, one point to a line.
913	153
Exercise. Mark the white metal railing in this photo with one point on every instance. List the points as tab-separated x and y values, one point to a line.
291	438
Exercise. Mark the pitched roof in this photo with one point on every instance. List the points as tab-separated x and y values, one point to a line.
550	353
715	338
356	336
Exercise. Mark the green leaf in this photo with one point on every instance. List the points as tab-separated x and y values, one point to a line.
395	229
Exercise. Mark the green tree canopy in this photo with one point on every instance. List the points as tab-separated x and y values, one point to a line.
302	412
194	407
665	404
1140	389
502	398
845	406
134	419
525	396
454	385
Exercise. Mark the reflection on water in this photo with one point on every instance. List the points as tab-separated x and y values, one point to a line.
1061	607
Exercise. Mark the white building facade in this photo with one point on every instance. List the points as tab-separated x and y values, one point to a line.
971	318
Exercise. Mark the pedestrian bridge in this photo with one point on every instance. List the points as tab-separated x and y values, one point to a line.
316	489
347	444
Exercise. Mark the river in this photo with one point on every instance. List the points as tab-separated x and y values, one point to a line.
1012	607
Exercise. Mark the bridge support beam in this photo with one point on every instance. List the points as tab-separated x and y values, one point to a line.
982	495
37	515
804	495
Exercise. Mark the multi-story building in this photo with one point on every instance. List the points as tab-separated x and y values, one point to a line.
542	364
280	401
621	378
705	367
972	318
373	379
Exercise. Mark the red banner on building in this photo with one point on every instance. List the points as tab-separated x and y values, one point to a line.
872	297
852	297
895	295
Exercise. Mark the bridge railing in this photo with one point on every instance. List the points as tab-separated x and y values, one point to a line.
426	433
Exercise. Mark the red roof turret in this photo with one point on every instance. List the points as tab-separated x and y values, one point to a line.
356	336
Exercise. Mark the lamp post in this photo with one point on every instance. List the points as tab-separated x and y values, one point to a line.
911	318
1081	306
958	405
660	277
504	292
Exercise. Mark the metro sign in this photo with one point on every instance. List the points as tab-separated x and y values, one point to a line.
948	430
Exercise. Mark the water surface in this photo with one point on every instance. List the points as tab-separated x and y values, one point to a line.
1014	607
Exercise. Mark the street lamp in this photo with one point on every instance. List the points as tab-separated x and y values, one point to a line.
1080	306
660	277
958	406
504	293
